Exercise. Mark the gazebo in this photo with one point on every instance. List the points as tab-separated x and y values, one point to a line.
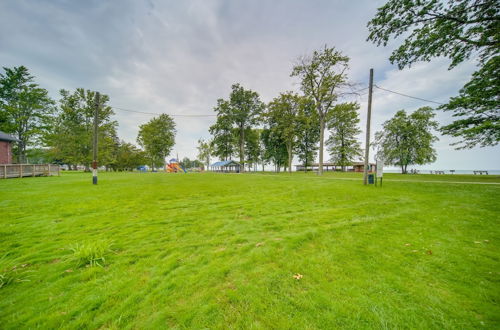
226	166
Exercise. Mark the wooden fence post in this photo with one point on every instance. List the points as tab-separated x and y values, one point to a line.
20	170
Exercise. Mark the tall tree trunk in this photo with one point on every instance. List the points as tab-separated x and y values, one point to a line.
21	152
321	142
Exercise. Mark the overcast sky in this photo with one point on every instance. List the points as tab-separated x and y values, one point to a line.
179	57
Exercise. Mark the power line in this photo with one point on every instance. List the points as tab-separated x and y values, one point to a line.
406	95
360	90
156	113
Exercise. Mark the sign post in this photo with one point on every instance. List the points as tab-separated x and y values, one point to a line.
380	170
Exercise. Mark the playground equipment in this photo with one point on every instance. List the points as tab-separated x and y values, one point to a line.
173	166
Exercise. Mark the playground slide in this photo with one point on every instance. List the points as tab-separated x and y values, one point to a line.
174	168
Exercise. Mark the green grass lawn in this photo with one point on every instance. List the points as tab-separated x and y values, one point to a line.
220	251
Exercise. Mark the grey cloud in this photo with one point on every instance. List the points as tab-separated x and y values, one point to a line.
181	56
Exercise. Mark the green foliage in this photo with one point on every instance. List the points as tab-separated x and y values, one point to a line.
157	137
234	117
128	157
25	109
274	148
323	78
224	141
282	117
71	136
187	163
39	156
253	146
407	140
458	30
91	254
308	131
477	107
205	151
454	29
343	144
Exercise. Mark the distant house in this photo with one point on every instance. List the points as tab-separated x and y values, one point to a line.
355	167
6	147
226	166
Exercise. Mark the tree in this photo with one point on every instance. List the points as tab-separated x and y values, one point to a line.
458	30
343	145
275	149
157	138
187	163
307	132
407	140
282	117
240	112
129	157
72	130
205	151
477	106
224	139
26	109
323	77
253	147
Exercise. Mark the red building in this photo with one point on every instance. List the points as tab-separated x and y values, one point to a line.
6	148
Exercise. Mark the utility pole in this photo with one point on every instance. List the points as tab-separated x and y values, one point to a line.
96	126
368	119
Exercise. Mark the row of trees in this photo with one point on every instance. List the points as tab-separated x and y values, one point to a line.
457	30
62	131
291	124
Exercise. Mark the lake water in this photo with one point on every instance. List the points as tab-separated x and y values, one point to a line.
423	171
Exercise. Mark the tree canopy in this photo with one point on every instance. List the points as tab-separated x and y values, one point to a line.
457	30
323	78
306	146
224	138
274	148
282	116
235	115
408	139
205	151
70	137
128	157
343	144
157	137
26	108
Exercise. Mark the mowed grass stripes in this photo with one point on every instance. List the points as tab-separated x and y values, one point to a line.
221	251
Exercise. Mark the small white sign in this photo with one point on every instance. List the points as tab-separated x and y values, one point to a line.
380	168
